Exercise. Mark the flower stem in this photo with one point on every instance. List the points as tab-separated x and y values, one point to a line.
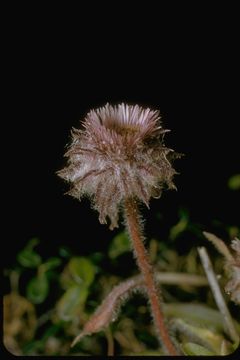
132	219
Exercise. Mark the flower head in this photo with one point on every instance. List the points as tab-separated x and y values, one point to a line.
118	154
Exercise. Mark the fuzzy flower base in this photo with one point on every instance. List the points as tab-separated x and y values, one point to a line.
118	154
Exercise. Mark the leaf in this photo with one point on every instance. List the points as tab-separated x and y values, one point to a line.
72	300
38	345
234	182
195	349
82	270
32	243
96	257
108	310
29	258
32	347
64	252
51	263
233	231
182	224
51	331
227	347
119	245
219	244
197	314
37	289
203	336
66	279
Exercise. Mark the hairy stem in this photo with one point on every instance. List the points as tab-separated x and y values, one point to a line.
134	228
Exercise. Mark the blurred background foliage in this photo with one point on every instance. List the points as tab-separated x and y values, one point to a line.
48	299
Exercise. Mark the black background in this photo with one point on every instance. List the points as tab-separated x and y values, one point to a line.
64	62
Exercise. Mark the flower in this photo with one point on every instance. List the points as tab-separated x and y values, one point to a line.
118	154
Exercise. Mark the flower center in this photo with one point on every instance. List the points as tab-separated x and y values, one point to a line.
125	129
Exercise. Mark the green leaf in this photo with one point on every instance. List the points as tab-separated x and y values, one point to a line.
96	257
52	262
82	270
32	243
64	251
233	231
32	347
119	245
236	345
29	258
37	289
234	182
51	331
181	225
195	314
71	302
38	345
210	339
195	349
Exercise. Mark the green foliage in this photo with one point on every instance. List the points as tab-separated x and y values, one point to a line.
234	182
58	296
64	252
197	314
207	337
52	263
196	349
119	245
29	258
40	345
71	302
82	270
77	278
181	225
198	327
38	288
